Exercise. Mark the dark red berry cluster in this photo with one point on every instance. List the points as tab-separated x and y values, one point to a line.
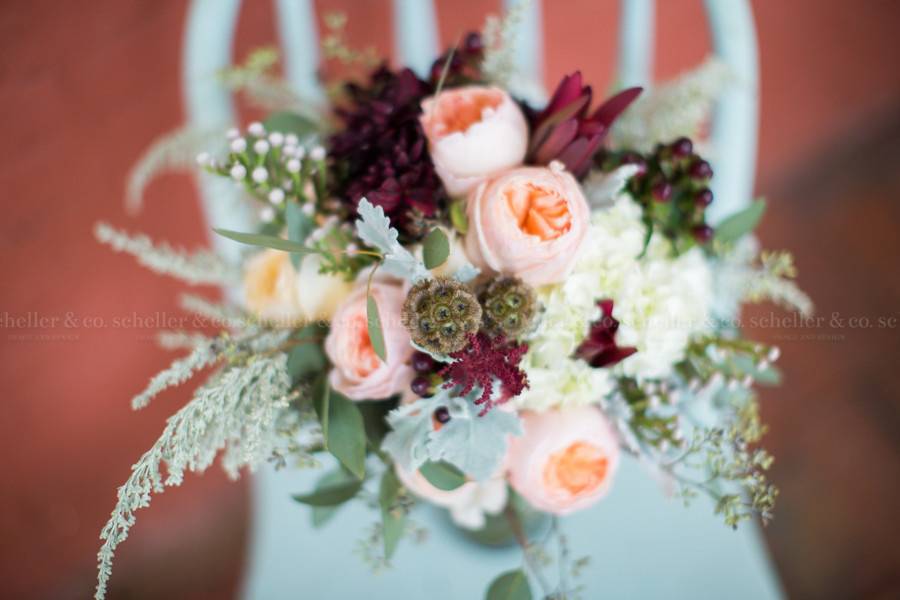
672	186
427	378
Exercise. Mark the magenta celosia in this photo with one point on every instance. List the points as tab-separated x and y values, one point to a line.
480	363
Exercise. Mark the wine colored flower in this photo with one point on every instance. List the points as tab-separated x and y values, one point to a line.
599	349
381	152
566	459
567	132
483	361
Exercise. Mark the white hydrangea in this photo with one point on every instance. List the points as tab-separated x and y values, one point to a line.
660	301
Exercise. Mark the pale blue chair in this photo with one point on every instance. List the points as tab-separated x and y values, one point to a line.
643	544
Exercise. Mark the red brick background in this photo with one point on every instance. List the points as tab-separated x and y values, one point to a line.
85	87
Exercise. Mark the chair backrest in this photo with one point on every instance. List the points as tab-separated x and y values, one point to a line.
210	31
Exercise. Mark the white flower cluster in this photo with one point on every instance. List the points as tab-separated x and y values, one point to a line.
659	300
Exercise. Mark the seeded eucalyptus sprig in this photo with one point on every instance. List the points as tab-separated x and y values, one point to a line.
275	168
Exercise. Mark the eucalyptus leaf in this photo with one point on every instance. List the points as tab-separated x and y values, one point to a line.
266	241
393	519
435	248
512	585
331	494
288	122
342	427
376	335
320	515
306	359
458	216
299	226
442	475
740	224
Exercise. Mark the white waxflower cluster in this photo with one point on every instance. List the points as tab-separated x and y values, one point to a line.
659	300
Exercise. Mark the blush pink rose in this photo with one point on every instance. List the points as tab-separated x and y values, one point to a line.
566	459
358	373
529	222
473	132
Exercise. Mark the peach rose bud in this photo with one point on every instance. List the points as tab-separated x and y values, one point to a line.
566	459
473	132
358	372
528	222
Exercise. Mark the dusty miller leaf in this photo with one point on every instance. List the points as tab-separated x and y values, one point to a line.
374	228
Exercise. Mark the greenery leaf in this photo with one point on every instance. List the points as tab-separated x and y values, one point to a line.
376	335
458	217
393	518
299	226
322	514
435	248
512	585
331	494
442	475
740	224
342	427
307	359
265	241
288	122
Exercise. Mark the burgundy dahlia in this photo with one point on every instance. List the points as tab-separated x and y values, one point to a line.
481	362
567	132
599	349
381	152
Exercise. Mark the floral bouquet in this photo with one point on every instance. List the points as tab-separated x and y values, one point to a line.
471	301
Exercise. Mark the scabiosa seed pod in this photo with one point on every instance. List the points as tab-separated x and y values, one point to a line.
508	307
440	313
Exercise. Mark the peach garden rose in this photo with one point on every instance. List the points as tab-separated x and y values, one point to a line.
358	372
528	222
473	132
566	459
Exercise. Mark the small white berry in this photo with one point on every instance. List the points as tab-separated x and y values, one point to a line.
763	365
774	353
317	153
204	159
308	209
267	214
260	174
238	145
291	139
293	166
276	138
300	152
352	248
261	146
747	382
276	196
232	133
238	172
256	128
653	402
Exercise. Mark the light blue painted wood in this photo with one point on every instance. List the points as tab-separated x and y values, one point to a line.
736	118
636	42
529	50
415	39
207	44
642	545
296	20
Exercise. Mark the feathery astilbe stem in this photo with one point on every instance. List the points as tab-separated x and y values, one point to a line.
237	411
199	268
675	109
